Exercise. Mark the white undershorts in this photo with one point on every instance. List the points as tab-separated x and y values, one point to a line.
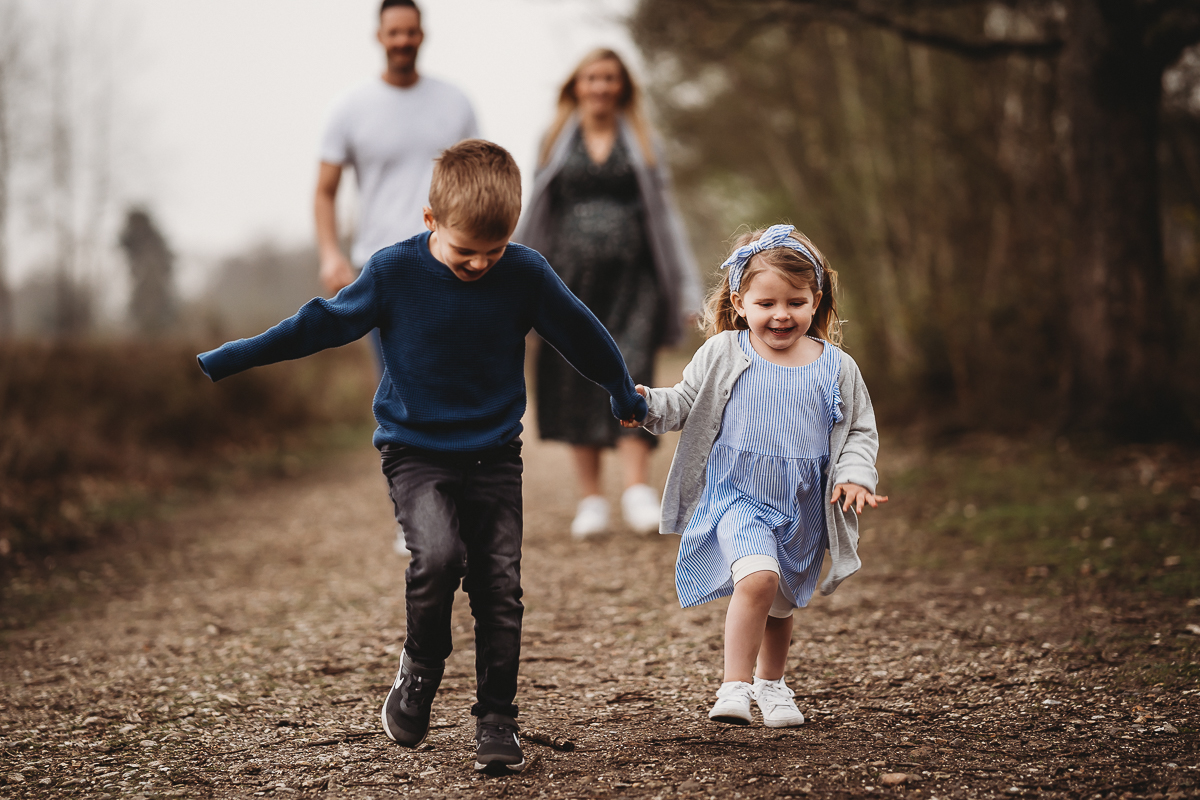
782	606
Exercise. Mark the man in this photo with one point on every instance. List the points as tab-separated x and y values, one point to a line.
389	130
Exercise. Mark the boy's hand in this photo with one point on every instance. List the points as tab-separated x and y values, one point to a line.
856	496
633	423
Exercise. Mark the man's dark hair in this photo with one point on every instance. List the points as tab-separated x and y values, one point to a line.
386	4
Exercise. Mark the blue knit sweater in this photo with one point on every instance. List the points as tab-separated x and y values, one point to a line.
453	351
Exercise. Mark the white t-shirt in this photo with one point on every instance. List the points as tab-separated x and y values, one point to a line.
390	137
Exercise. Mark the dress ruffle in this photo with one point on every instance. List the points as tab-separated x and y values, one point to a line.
835	403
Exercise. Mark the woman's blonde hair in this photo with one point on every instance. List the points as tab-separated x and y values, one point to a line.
795	267
629	103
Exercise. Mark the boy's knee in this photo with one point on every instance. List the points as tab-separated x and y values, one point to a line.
500	589
436	560
443	553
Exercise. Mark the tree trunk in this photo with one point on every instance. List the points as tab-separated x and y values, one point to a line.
6	161
1120	352
872	241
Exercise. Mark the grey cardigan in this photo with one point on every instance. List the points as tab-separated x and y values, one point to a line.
697	403
674	264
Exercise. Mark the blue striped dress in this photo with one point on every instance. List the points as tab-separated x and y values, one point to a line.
764	491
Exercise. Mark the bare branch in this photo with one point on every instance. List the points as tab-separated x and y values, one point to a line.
855	12
1173	27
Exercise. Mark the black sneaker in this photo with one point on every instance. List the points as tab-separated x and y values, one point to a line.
497	748
406	710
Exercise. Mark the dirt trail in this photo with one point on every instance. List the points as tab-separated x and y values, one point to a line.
247	654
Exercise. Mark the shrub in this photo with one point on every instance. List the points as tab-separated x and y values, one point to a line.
85	427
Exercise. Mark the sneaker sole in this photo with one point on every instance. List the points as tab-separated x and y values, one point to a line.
730	720
499	767
792	723
387	729
579	537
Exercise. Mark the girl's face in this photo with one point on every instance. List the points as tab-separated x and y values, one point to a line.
777	312
598	87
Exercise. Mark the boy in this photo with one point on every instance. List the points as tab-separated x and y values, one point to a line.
453	306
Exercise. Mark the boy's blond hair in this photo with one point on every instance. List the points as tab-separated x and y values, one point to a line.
476	187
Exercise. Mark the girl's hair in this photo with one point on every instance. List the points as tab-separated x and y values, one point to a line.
629	103
794	266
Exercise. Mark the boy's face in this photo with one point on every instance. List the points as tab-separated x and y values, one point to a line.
466	255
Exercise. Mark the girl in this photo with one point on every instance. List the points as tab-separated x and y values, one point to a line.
778	445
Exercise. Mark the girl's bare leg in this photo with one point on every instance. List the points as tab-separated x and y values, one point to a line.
772	655
746	622
635	459
587	469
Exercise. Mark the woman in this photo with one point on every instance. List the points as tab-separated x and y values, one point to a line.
602	214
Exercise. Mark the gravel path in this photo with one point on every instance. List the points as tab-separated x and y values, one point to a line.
242	649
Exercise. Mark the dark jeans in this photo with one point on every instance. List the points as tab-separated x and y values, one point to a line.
461	514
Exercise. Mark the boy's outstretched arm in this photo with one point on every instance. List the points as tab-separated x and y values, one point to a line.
572	329
318	325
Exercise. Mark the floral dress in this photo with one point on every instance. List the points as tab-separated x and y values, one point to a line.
601	251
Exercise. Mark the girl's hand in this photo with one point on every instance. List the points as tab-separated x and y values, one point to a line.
633	423
856	496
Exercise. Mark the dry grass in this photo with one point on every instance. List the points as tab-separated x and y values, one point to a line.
92	432
1069	518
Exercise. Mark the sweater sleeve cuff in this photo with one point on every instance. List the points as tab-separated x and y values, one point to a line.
626	408
213	364
865	477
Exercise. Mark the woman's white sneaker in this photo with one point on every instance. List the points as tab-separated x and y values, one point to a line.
591	517
733	703
641	508
776	704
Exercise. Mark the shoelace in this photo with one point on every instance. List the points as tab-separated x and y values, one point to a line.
774	695
416	690
732	689
496	732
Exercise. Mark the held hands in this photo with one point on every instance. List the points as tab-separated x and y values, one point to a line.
856	496
633	423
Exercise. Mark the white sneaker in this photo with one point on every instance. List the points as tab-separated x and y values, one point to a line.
400	546
591	517
641	508
733	703
776	704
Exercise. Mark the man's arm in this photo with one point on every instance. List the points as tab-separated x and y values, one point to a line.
336	271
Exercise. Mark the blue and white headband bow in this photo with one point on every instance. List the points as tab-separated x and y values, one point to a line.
775	236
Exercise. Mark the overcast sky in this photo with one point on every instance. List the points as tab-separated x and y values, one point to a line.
234	94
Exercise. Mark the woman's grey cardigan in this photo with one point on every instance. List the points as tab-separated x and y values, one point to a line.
674	264
697	403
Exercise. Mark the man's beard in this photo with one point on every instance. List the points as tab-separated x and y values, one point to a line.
402	56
